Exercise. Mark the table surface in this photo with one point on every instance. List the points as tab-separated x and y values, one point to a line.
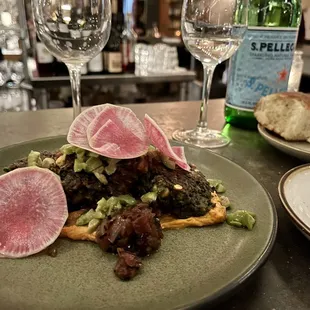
283	282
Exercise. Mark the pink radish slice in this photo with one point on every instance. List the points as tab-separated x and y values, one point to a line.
116	132
179	151
160	141
77	134
33	210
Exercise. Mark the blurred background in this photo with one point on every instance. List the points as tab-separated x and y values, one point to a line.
162	70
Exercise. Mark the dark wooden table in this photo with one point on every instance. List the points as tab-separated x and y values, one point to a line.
283	282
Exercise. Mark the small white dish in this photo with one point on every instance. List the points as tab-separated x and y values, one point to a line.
294	193
299	150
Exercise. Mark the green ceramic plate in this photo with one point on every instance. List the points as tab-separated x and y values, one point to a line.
194	266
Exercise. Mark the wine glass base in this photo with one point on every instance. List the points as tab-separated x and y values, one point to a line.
201	137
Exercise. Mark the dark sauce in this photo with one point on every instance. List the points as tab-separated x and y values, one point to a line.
52	251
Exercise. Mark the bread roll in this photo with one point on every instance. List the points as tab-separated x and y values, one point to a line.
287	114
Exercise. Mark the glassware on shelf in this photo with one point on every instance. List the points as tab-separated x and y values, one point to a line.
9	13
5	72
212	34
17	72
143	59
14	99
156	59
55	19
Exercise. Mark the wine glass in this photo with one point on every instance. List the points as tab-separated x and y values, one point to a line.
74	31
212	31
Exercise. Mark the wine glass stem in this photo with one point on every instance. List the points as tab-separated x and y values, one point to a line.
208	71
75	79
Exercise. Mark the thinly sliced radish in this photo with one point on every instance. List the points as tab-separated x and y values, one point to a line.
116	132
77	134
160	141
179	151
33	210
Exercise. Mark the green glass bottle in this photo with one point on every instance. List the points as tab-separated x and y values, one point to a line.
262	63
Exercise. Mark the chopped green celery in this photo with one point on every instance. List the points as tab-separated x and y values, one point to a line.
112	205
91	154
220	188
155	189
80	153
93	164
92	225
115	208
48	162
151	148
241	218
68	149
101	177
161	191
112	201
127	200
101	204
34	159
149	197
60	161
169	163
79	165
85	218
217	184
235	223
214	182
98	215
225	201
99	169
111	167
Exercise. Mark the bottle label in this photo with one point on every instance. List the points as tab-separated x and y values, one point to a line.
43	55
261	66
113	62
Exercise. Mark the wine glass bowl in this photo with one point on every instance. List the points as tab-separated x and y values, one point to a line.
212	31
74	31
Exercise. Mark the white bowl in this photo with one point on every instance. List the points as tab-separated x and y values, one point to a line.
299	150
294	191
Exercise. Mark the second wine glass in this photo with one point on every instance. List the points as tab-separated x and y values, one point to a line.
212	31
74	31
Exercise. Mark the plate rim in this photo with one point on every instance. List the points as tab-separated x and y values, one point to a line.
294	217
231	287
285	144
